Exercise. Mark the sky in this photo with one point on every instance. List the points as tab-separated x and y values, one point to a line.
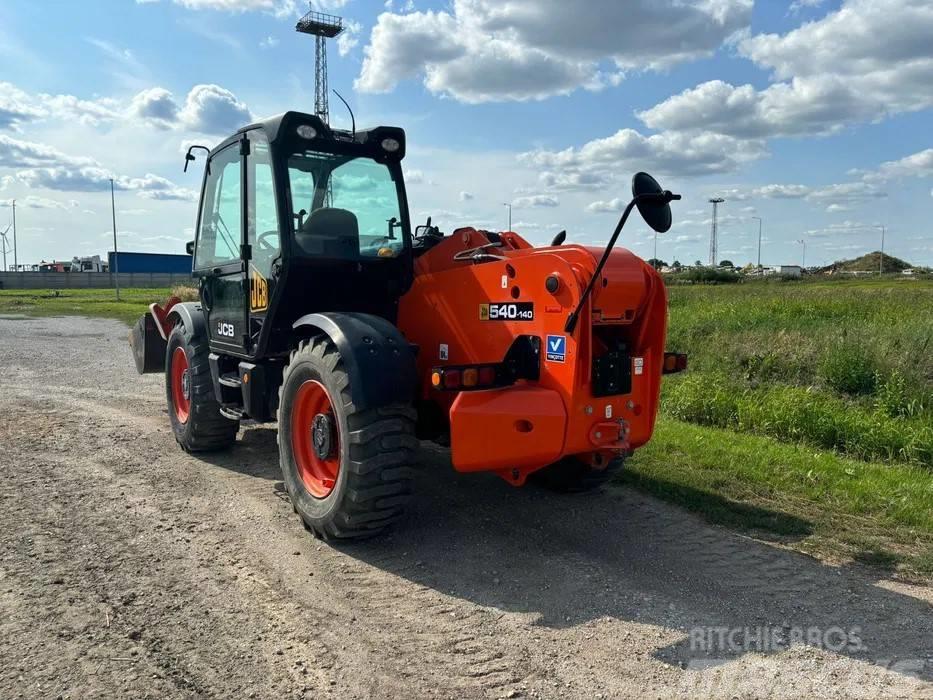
814	115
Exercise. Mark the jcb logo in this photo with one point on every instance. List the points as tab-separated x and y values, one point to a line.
225	329
258	290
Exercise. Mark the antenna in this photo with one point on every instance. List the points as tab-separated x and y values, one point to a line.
321	27
352	118
715	201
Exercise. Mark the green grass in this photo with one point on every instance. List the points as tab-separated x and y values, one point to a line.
813	500
841	365
84	302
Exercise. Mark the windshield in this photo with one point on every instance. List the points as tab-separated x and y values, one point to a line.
344	207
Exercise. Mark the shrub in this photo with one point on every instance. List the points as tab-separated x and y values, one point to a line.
184	293
897	398
849	369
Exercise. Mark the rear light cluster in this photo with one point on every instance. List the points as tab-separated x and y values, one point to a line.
466	377
674	362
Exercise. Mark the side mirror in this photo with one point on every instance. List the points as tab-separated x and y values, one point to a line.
653	202
189	247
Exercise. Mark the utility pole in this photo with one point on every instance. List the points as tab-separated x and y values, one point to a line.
656	250
507	204
803	262
116	266
881	261
715	201
15	258
759	242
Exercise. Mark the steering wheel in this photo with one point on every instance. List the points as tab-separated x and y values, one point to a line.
263	243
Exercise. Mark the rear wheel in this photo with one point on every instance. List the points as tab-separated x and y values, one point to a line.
192	406
577	475
348	472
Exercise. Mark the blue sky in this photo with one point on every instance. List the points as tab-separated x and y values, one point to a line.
814	115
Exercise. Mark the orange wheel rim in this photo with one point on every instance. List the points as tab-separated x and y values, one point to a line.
181	385
315	439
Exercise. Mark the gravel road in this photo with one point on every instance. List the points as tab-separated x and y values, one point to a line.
131	569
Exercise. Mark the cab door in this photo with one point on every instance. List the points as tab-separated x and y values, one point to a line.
219	253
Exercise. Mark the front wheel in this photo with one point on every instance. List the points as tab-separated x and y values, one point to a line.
192	407
577	474
348	472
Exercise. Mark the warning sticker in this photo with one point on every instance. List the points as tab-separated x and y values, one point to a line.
639	364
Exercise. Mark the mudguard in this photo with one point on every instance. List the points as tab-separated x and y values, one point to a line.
190	314
149	335
379	359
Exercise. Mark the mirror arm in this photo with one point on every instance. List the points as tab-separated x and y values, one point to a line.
575	314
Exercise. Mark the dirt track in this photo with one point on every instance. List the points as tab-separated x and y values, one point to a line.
130	569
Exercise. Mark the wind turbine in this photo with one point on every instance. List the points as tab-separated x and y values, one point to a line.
4	244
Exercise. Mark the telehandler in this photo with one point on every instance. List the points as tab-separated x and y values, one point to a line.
320	308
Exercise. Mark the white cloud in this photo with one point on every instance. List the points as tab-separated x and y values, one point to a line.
157	106
208	109
34	202
466	196
15	107
918	164
798	5
270	42
669	152
349	38
45	167
279	8
16	153
536	200
614	205
211	109
866	61
484	50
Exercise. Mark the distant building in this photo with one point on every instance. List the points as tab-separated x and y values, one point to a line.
787	270
149	262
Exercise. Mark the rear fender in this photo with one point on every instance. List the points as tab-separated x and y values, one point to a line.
378	358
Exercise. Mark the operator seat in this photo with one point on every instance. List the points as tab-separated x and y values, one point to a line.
329	233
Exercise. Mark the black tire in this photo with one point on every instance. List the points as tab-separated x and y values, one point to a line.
203	429
376	448
573	475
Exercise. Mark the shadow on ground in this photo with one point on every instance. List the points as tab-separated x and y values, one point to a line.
622	554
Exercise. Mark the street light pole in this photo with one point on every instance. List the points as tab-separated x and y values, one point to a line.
507	204
116	266
759	242
15	258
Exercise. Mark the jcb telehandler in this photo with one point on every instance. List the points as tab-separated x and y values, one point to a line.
322	310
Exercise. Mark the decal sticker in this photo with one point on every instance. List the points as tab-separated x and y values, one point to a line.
556	348
258	290
443	352
639	363
609	410
225	329
505	281
507	311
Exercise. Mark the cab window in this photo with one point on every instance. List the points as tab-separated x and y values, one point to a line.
221	213
262	220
